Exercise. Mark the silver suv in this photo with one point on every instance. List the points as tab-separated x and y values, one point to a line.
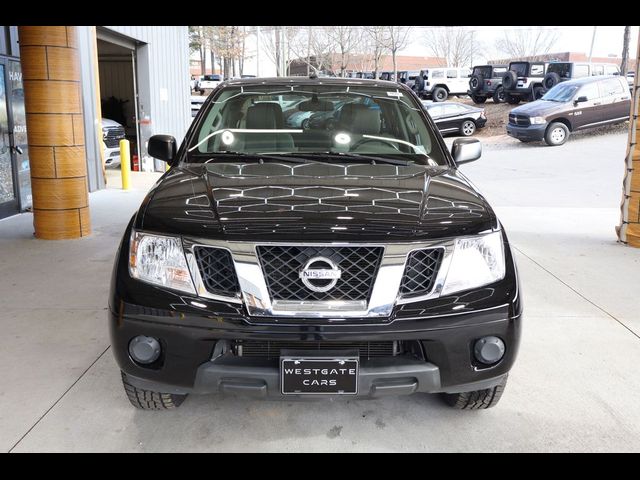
558	72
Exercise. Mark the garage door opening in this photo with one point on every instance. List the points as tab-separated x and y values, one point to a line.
118	100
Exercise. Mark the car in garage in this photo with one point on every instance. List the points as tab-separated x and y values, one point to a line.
287	263
454	117
570	106
112	133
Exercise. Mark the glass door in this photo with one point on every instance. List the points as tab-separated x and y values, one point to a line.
8	197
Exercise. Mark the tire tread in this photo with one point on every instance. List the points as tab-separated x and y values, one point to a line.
478	399
150	400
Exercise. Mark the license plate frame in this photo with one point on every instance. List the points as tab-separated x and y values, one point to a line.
345	383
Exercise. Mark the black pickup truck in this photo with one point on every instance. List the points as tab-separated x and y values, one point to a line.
349	260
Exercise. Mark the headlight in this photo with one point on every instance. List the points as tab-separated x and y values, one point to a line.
476	261
159	260
537	120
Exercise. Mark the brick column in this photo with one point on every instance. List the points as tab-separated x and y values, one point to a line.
53	104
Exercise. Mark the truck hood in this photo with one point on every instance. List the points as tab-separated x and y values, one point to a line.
314	202
539	108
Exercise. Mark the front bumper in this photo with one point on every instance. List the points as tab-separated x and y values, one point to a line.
112	156
199	360
532	132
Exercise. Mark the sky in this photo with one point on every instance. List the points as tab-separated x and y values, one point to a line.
608	39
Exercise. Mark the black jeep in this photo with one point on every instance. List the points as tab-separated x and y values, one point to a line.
486	82
355	260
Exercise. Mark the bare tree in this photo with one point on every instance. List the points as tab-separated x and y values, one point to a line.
624	63
455	44
226	41
527	42
346	40
198	42
397	39
376	43
271	39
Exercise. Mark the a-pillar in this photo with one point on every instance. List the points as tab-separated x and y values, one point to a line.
53	104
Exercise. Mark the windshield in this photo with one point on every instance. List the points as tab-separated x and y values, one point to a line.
332	120
212	78
560	93
484	71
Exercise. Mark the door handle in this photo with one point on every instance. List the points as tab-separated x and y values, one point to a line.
596	103
17	150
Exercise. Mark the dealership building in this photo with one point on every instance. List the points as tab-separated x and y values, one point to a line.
56	85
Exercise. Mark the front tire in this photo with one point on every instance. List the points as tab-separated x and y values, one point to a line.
557	134
467	128
512	99
477	99
150	400
439	94
478	399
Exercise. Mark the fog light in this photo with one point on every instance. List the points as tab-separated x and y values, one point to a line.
144	350
489	350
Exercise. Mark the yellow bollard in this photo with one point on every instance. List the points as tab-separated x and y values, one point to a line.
125	163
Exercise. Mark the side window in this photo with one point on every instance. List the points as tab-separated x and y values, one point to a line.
590	91
499	72
451	109
452	74
437	74
611	87
580	70
597	70
436	111
537	70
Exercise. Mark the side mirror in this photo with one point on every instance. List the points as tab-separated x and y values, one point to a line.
465	150
162	147
581	99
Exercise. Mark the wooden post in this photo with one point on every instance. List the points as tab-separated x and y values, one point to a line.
55	129
629	228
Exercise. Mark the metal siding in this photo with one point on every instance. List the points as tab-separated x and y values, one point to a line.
168	50
162	59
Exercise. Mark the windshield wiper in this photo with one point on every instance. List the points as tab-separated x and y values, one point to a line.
372	159
260	157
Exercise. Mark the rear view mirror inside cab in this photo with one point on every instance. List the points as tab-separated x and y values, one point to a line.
315	105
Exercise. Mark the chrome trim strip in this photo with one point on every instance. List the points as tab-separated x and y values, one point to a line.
255	294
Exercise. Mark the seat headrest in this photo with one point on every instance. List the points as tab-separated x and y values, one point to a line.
265	115
358	118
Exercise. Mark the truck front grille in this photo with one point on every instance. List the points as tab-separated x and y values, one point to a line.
421	271
519	120
217	270
112	136
282	265
272	349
